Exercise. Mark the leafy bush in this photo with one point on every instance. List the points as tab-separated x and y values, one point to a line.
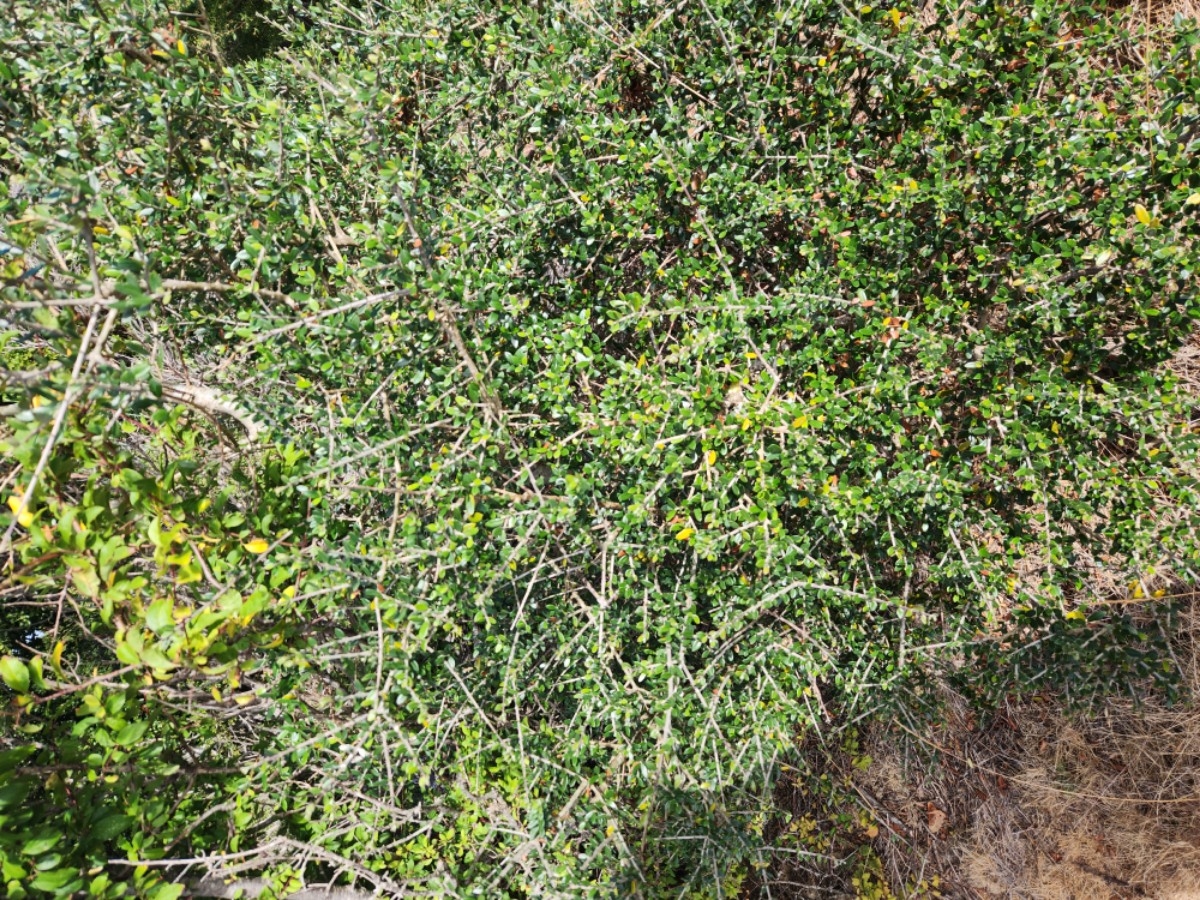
639	381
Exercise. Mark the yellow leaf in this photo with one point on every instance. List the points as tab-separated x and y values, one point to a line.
243	699
1193	200
872	831
895	14
56	657
216	693
1143	214
800	422
1076	615
256	546
711	457
432	314
181	47
685	534
1054	427
24	516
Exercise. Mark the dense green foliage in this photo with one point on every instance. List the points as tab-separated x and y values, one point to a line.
641	384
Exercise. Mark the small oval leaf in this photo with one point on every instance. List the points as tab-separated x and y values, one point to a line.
15	674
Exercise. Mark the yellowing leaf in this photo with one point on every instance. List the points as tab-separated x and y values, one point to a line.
1193	200
432	314
685	534
711	457
181	47
256	546
800	422
895	14
1076	615
1143	214
24	516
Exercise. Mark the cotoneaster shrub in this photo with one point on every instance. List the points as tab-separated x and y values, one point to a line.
644	385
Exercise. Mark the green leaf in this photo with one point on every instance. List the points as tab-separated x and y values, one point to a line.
132	733
52	881
127	654
87	582
15	674
110	826
157	660
10	759
12	794
36	666
38	846
159	617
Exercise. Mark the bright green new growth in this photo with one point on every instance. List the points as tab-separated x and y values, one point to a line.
644	385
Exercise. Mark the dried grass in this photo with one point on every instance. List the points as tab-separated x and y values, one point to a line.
1041	804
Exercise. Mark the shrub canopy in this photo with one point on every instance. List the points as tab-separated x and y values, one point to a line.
639	385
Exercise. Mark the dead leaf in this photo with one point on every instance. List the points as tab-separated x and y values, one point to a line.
935	818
